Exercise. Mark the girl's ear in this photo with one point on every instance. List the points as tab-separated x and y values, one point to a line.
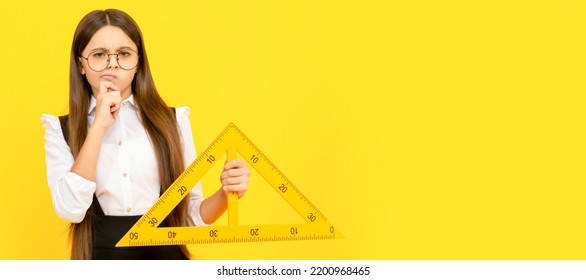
81	66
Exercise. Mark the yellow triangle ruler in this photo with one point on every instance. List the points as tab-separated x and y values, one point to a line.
230	141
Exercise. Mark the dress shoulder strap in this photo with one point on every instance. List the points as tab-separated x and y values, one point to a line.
63	120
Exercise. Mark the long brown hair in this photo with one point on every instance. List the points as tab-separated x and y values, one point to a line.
157	118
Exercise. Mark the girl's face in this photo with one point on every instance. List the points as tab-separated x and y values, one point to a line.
104	45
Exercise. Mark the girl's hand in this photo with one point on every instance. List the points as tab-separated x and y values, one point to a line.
235	176
107	105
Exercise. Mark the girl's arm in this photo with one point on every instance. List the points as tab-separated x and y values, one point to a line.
72	181
107	106
234	178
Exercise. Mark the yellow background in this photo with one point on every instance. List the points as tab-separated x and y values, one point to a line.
421	129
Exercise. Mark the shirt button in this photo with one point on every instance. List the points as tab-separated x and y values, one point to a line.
124	174
119	142
128	209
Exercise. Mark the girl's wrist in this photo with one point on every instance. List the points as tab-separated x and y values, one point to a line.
98	129
223	193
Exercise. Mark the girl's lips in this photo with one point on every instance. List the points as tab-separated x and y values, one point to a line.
108	76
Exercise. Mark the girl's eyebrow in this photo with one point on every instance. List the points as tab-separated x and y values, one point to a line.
106	50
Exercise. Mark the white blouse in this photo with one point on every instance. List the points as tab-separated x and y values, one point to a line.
127	179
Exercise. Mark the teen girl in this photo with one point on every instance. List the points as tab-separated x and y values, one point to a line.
121	146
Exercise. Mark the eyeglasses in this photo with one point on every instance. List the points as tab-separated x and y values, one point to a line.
99	61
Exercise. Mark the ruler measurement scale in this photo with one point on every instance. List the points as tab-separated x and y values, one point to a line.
277	179
230	142
186	181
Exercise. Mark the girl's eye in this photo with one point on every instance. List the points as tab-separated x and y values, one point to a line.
99	54
124	53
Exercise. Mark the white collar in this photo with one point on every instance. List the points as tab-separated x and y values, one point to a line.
93	102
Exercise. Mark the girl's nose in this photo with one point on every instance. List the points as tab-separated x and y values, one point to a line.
113	63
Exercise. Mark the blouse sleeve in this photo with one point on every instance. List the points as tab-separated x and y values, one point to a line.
72	194
195	195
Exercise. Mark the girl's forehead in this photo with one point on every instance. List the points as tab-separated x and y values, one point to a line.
110	38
